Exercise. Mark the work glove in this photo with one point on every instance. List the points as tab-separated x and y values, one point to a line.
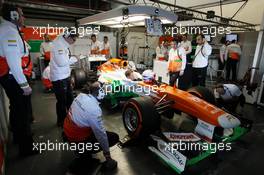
27	90
181	72
110	164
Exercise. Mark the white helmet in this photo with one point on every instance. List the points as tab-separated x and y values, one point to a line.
148	76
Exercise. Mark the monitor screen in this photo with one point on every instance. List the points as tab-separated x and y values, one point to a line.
208	38
154	27
231	37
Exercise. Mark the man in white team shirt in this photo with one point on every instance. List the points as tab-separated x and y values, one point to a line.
106	49
95	46
46	79
84	124
60	73
200	63
229	96
176	62
185	80
232	56
45	49
12	79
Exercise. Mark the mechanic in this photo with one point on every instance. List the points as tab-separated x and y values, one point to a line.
176	62
45	49
95	46
12	79
60	73
133	75
222	58
84	123
233	53
27	64
46	80
185	80
162	52
229	96
200	63
106	50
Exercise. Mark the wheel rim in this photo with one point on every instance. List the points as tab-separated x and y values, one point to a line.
131	119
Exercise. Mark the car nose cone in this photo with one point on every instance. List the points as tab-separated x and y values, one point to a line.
228	121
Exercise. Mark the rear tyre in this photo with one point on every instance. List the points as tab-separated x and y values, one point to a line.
78	78
91	76
203	93
140	118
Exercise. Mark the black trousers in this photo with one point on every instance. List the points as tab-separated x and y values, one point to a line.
221	66
18	115
46	62
64	96
185	81
173	77
29	103
199	76
232	105
84	163
113	139
231	65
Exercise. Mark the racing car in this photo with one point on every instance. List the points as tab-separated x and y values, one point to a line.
142	112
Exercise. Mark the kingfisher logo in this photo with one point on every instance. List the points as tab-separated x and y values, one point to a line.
190	137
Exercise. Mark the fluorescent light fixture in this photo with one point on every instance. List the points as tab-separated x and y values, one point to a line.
120	26
165	21
136	16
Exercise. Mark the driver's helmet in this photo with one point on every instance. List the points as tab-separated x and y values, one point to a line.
148	76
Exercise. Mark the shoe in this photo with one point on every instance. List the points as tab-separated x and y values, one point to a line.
83	165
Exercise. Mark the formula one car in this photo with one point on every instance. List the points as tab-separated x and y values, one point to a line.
147	102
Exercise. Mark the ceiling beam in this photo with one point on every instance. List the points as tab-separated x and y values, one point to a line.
53	7
202	16
213	4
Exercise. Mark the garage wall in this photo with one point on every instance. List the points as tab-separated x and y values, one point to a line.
81	46
248	41
136	40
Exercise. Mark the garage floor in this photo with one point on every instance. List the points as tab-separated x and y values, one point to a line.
244	158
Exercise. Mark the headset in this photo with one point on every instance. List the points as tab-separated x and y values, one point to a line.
67	34
14	15
10	12
70	33
101	93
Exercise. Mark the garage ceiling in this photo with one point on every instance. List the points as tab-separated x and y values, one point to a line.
72	10
194	4
68	10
